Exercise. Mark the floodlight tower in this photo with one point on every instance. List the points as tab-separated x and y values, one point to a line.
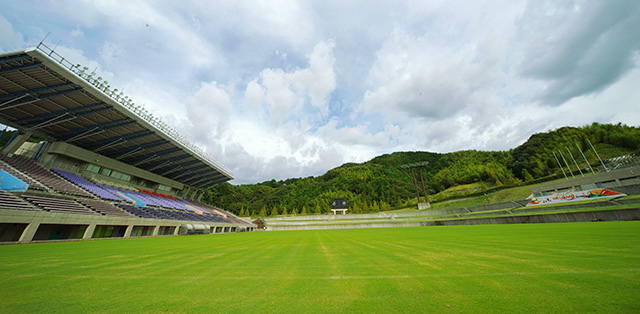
419	165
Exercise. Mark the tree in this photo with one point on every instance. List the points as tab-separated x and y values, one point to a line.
527	176
375	207
318	210
365	207
274	212
284	211
355	208
294	212
263	212
303	212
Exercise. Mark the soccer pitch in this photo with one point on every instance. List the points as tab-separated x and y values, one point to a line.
544	268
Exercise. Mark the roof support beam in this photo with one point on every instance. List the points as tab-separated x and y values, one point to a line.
61	116
191	171
127	151
100	145
159	164
181	167
195	180
20	67
211	181
199	183
206	173
146	158
204	184
69	117
79	133
34	91
111	144
164	170
214	182
132	150
194	176
162	164
34	98
15	58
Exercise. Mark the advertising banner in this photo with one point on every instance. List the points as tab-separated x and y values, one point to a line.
574	196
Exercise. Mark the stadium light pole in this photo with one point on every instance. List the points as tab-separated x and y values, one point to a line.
595	151
559	165
426	198
574	161
565	162
585	158
415	182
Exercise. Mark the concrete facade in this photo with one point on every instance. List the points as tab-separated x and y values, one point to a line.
24	226
71	158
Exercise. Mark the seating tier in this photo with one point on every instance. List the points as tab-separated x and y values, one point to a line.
10	201
44	176
104	208
57	205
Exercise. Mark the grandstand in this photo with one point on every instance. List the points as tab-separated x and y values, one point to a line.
101	167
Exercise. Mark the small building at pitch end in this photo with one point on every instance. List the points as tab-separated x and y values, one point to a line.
339	204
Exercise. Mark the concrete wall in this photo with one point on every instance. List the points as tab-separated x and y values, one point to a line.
424	213
606	215
40	224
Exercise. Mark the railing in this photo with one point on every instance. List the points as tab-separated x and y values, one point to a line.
126	102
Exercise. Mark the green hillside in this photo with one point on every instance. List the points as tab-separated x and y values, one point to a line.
380	184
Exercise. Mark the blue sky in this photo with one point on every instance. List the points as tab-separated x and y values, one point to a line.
280	89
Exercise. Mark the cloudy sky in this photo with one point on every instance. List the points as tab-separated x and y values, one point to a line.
281	89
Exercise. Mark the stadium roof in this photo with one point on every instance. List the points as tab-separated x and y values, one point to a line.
42	93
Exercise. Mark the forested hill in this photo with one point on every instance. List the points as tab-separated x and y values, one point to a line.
380	183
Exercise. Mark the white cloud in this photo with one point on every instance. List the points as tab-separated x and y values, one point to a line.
264	121
419	76
587	46
278	89
9	37
111	53
209	110
288	93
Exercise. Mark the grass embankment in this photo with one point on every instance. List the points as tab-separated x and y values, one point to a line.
516	211
543	268
500	196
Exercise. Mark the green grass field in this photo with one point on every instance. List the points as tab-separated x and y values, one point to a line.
543	268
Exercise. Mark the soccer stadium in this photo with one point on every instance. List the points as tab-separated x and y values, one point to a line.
102	189
104	167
